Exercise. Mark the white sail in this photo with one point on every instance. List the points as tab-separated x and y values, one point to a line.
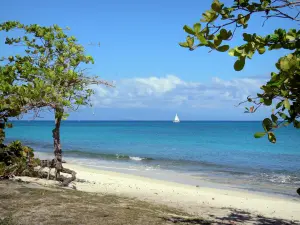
176	119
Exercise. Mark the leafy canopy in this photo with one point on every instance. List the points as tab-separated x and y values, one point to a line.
48	72
283	89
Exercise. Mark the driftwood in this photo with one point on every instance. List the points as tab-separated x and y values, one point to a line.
68	180
29	171
47	163
51	164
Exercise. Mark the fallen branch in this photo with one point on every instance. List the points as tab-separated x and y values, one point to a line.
68	180
51	164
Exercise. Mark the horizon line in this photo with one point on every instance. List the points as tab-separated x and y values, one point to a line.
118	120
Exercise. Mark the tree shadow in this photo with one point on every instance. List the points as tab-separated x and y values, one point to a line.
272	221
234	217
240	216
180	220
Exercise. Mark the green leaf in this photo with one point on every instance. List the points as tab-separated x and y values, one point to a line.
10	58
274	37
261	50
231	52
283	116
65	116
267	101
223	48
247	17
188	29
267	124
287	104
190	41
184	44
284	64
210	15
271	137
216	6
247	37
274	118
202	39
259	134
284	92
197	27
279	104
239	64
217	41
224	34
290	37
211	45
296	124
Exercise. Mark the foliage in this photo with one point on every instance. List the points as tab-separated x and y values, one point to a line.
48	73
282	90
17	159
11	99
3	124
49	66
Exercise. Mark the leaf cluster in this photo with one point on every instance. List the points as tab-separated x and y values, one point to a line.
282	90
47	73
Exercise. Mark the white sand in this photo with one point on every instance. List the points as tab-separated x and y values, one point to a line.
200	201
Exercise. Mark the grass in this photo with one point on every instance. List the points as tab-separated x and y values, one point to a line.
25	203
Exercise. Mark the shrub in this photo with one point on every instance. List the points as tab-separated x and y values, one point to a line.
17	159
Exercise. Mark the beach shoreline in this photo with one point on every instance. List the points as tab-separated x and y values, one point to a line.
203	178
199	201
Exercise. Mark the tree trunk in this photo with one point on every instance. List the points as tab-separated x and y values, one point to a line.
56	142
58	152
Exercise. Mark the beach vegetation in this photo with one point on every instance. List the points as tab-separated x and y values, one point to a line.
17	159
49	73
217	29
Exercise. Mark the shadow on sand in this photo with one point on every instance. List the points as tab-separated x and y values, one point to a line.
234	217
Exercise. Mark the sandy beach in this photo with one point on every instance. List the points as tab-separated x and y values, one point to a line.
198	201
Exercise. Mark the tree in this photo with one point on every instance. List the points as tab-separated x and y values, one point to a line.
283	89
52	69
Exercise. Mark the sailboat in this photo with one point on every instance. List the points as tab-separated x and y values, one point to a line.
176	119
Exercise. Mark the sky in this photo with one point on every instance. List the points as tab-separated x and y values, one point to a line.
154	77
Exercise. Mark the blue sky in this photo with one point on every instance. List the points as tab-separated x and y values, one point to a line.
154	77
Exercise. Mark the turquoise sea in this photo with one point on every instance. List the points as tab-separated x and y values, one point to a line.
221	152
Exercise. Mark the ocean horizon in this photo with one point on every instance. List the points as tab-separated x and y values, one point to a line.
223	152
126	120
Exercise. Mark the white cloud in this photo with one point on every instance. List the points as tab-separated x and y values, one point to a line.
158	85
170	91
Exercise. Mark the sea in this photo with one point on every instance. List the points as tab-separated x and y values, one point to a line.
212	153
